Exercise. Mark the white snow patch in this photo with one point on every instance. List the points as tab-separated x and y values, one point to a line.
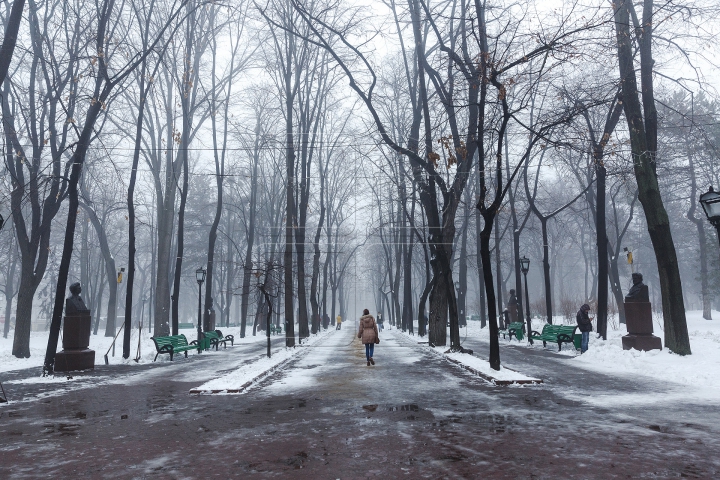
699	370
483	366
239	379
478	364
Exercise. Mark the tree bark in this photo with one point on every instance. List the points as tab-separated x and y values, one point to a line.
12	26
9	293
643	140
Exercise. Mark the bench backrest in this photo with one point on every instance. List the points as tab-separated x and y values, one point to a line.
174	340
558	329
211	334
516	325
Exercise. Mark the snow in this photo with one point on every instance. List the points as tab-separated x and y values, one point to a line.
483	367
479	365
238	380
698	371
101	344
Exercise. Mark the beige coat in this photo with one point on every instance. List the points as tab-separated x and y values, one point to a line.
368	329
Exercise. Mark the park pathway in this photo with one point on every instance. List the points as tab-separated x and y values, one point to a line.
327	415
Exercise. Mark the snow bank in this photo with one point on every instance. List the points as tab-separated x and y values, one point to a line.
478	366
239	380
101	344
697	370
481	367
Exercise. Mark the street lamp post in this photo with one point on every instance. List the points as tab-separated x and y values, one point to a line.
200	277
710	202
525	266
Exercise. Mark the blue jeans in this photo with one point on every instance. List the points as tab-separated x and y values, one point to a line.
584	343
369	349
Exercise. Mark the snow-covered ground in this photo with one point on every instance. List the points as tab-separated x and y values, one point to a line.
238	380
699	370
101	344
479	365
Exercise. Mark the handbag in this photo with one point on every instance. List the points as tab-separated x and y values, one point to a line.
377	339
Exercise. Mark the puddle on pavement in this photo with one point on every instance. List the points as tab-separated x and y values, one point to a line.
392	408
64	429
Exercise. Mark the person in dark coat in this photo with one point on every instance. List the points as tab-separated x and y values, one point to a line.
584	325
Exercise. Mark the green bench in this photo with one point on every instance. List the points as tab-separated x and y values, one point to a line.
516	329
555	333
276	329
186	325
172	345
215	338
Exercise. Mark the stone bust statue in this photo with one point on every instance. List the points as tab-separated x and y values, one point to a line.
74	303
639	291
513	299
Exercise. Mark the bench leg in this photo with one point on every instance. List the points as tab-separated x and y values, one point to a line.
171	356
544	344
559	346
185	353
155	356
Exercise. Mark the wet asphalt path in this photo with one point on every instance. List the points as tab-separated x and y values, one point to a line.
328	415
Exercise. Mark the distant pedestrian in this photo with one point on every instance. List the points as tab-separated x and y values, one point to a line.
338	323
380	322
585	326
368	334
325	321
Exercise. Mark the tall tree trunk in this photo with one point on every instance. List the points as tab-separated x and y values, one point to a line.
602	252
289	213
12	26
643	141
546	271
180	231
250	233
316	256
230	276
407	267
481	275
219	176
9	293
705	295
498	266
131	214
462	267
85	257
165	205
490	292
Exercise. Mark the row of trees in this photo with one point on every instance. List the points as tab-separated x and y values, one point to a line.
475	73
184	133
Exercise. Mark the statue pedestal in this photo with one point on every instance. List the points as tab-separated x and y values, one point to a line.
638	316
76	338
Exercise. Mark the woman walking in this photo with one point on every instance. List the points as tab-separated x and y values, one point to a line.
368	334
